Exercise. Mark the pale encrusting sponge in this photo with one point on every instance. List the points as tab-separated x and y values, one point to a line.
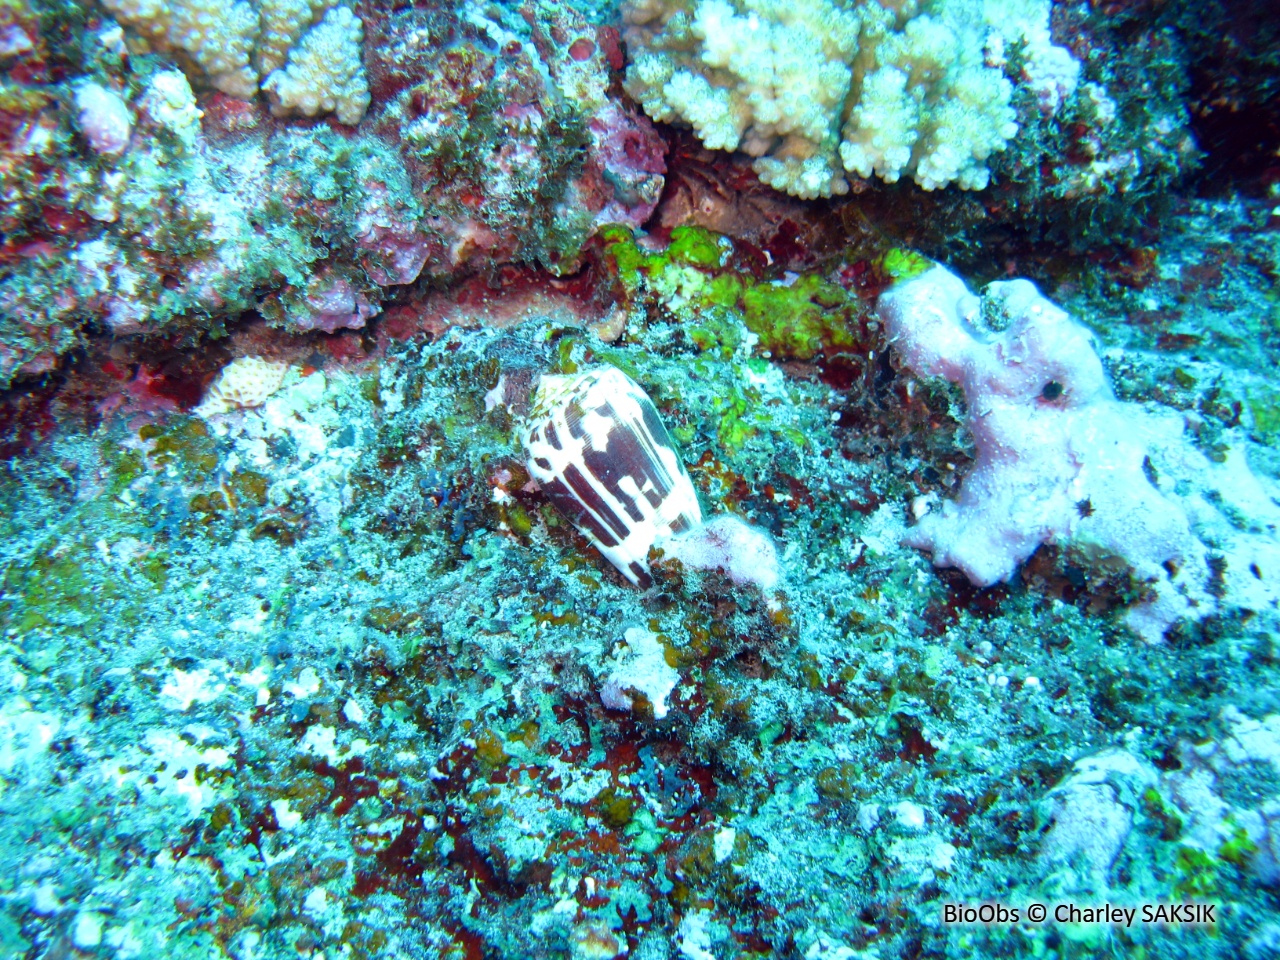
1061	460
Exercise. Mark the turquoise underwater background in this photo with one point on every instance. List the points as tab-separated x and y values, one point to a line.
303	654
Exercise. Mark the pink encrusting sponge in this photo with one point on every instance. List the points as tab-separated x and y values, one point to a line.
1062	461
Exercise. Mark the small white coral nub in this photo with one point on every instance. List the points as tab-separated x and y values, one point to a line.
243	383
644	669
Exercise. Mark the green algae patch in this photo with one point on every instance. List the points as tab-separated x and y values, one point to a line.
689	247
901	265
53	589
617	810
698	247
123	465
1201	874
249	488
1264	405
717	331
732	428
624	258
184	445
69	589
697	277
1239	848
799	320
724	291
1197	873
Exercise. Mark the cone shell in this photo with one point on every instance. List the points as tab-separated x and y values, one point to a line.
599	451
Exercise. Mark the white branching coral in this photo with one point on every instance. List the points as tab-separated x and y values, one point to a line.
815	89
308	51
283	22
324	73
219	35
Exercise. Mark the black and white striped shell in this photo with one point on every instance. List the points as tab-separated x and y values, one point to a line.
599	451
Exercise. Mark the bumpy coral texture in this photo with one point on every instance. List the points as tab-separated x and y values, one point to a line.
815	89
309	67
283	22
324	73
1061	461
243	383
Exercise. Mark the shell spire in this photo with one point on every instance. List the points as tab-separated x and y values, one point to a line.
598	449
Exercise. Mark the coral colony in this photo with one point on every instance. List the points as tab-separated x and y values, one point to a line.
691	479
